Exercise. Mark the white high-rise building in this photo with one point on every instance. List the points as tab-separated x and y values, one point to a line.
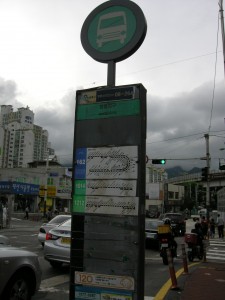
21	141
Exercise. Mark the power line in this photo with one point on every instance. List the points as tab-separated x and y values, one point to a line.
159	66
185	136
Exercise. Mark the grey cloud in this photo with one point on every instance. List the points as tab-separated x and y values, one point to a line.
8	93
176	126
59	121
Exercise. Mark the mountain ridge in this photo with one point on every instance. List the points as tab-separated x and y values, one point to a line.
179	171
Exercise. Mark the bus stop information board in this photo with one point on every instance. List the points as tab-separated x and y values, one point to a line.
108	194
108	209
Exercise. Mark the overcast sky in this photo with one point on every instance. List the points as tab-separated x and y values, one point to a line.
42	64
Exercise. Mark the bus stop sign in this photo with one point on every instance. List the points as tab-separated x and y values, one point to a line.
113	31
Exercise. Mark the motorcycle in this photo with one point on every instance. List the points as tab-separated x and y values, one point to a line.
194	250
166	241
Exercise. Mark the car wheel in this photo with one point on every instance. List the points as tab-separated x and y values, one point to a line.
19	287
55	264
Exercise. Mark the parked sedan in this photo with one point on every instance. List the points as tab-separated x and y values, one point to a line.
151	231
57	244
20	273
45	227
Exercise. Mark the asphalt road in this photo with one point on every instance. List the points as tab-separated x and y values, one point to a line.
55	283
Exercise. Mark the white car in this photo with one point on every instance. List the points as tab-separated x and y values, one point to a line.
151	231
45	227
57	244
20	273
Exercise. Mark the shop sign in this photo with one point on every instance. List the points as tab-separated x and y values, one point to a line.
19	188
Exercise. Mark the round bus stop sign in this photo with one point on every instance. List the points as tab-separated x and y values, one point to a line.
113	31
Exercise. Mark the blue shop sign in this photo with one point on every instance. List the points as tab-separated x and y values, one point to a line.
5	187
14	187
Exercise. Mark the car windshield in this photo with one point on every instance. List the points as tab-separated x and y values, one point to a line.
152	224
58	219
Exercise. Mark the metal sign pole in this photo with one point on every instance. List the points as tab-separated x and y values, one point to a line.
111	75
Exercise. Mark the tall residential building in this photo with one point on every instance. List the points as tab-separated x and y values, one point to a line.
21	141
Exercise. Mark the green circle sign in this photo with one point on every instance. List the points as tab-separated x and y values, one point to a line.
113	31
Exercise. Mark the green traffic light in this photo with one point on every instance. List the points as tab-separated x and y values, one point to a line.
159	161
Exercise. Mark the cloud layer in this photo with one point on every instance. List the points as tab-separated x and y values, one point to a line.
175	126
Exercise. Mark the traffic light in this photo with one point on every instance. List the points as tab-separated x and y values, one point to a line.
158	161
205	172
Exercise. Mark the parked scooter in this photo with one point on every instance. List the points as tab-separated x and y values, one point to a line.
195	250
166	241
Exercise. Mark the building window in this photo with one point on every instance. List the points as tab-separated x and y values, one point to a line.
171	195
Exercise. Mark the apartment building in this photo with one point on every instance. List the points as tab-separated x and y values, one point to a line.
161	196
21	141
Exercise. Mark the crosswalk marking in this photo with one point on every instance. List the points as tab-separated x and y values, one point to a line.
216	250
217	244
215	258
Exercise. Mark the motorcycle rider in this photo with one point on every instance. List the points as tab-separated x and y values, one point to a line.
173	242
200	235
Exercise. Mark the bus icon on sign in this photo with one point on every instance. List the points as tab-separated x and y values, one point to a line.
111	27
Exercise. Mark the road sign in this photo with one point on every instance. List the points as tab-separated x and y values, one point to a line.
113	31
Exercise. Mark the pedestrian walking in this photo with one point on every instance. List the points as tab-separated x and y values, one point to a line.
204	225
220	225
4	214
49	214
212	225
26	213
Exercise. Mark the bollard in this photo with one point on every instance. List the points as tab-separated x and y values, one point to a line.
184	255
171	269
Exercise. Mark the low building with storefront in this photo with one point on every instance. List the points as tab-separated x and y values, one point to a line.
39	187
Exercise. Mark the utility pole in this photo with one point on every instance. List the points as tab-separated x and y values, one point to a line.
222	30
208	172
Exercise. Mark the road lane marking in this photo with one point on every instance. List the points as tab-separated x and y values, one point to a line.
54	281
166	287
50	283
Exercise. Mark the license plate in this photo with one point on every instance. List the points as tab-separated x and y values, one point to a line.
164	245
65	240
